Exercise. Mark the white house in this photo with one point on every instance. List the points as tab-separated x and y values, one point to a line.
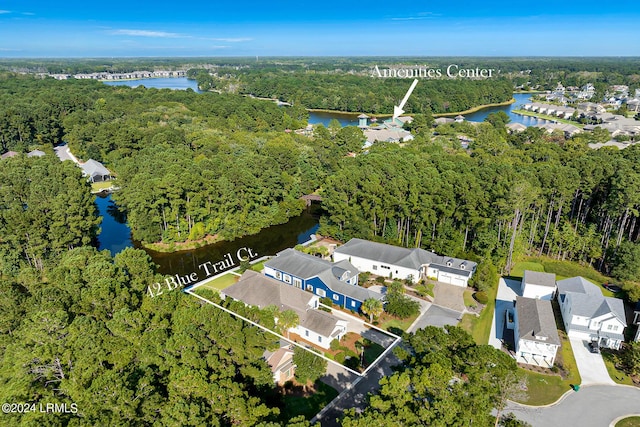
315	326
538	285
536	334
589	315
281	363
404	263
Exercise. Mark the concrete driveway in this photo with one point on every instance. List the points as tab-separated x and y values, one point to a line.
590	365
507	292
592	406
437	316
449	296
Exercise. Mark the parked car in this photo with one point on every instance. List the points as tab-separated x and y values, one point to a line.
613	288
594	347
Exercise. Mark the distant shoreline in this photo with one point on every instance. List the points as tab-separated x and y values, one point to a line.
470	110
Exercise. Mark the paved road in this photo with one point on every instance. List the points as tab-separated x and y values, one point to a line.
591	366
437	316
592	406
357	396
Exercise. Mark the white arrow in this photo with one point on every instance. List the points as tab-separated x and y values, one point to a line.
398	110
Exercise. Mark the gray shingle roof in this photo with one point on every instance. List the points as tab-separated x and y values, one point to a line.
404	257
308	266
94	168
578	284
35	153
539	278
257	290
587	299
535	319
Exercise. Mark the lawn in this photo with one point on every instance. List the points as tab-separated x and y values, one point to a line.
519	268
387	322
221	282
616	375
545	389
468	299
258	266
629	422
480	326
97	187
309	405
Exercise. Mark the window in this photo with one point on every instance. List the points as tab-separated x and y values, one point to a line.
278	275
321	292
353	304
297	282
306	333
310	288
609	327
615	328
386	267
336	297
375	267
287	279
319	338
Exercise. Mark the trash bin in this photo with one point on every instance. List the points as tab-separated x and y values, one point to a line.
576	387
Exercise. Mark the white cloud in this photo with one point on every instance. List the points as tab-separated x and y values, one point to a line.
146	33
231	40
4	11
419	16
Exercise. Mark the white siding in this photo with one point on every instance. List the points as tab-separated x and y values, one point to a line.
537	292
378	268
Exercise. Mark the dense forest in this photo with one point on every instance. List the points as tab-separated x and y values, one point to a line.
374	95
530	193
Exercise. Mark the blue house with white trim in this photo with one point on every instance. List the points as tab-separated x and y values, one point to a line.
338	281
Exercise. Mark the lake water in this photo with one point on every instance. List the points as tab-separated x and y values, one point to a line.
115	234
176	83
478	116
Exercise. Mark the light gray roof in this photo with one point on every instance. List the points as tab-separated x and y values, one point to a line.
578	284
260	291
308	266
410	258
536	320
595	306
9	154
94	168
539	278
35	153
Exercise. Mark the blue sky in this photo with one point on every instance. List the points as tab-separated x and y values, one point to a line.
73	28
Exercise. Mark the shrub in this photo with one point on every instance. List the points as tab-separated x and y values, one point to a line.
481	297
380	279
326	301
364	276
335	344
401	306
340	357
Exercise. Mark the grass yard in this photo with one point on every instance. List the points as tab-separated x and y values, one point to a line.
97	187
258	266
221	282
468	299
480	326
616	375
545	389
387	322
519	268
629	422
308	405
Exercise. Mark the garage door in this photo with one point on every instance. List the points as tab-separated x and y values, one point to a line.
459	282
445	278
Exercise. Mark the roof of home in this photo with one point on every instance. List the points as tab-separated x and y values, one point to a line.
308	266
257	290
410	258
35	153
536	321
94	168
539	278
587	299
9	154
578	284
279	359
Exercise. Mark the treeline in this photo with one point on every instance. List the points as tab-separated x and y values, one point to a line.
530	193
46	209
187	164
87	336
343	92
